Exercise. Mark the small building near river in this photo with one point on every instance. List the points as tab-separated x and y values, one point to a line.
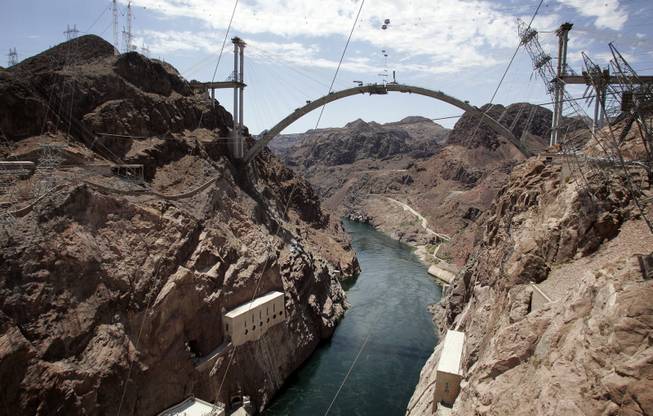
248	322
449	370
193	406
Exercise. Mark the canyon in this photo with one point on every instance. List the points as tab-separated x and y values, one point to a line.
136	232
563	226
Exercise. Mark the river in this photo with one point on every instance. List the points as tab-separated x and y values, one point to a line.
387	327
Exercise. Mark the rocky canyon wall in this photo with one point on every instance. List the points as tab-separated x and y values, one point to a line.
588	351
112	290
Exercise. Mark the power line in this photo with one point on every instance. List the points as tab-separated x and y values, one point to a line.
367	337
480	120
224	41
341	58
97	19
540	104
515	54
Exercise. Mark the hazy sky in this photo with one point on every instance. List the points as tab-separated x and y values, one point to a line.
460	47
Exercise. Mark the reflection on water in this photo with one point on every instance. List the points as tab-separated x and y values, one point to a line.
388	302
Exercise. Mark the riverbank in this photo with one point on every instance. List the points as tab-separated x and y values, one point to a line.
427	253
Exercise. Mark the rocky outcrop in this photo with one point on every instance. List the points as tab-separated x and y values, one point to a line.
587	351
112	292
80	87
360	140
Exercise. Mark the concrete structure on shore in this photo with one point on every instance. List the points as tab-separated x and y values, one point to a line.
449	371
250	321
193	406
443	271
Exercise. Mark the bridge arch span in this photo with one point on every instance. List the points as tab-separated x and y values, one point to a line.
378	89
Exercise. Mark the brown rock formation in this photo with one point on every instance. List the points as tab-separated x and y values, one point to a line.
588	351
111	294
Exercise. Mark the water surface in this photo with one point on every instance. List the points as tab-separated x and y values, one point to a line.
388	316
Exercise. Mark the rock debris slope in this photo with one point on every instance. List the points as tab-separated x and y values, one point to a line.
111	293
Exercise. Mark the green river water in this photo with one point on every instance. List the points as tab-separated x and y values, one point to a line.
388	315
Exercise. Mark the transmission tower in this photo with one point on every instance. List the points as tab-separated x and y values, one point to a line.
541	61
597	91
634	95
145	50
12	57
116	42
50	159
543	65
127	33
71	32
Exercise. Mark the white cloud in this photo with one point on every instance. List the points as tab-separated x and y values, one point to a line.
608	13
605	57
445	37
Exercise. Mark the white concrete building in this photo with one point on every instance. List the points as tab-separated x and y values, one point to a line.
193	406
449	371
250	321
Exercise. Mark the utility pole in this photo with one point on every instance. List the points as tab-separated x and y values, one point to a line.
71	32
116	42
12	57
559	84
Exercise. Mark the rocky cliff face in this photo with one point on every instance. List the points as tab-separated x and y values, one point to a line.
111	290
588	350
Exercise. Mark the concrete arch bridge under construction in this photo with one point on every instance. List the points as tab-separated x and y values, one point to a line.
378	89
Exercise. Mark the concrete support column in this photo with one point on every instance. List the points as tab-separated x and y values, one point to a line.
563	38
237	141
601	91
235	110
241	79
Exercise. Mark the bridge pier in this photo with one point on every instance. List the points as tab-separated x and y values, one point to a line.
558	83
236	141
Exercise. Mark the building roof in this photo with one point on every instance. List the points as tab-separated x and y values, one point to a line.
452	353
241	411
253	304
193	406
